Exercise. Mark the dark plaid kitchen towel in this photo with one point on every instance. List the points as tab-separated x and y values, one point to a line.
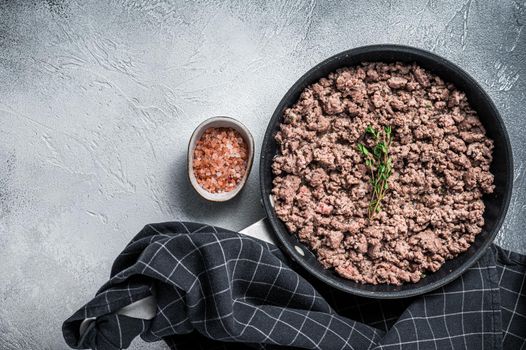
218	289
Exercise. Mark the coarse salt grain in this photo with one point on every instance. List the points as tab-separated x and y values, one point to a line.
220	159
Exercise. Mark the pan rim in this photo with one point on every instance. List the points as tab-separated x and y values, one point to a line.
339	282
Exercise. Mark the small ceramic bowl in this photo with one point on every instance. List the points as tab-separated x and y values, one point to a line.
219	122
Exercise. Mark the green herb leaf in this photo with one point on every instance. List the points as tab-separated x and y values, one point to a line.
363	149
372	131
380	164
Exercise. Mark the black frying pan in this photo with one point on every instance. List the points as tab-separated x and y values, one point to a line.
496	203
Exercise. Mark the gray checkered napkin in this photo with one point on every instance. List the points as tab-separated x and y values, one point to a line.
217	289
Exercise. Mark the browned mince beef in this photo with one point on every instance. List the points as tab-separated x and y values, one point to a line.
433	208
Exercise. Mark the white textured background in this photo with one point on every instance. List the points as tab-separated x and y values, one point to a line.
99	98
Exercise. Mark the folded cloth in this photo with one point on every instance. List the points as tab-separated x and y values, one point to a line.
218	289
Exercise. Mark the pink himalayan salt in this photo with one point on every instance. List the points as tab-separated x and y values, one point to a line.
220	159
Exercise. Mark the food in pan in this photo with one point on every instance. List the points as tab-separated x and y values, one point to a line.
220	159
381	172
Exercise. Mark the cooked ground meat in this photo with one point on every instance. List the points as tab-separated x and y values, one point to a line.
441	158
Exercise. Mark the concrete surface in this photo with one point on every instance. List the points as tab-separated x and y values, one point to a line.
99	98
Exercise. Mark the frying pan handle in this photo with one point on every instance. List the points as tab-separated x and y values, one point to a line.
261	230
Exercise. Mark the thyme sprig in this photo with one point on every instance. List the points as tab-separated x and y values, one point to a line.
379	164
